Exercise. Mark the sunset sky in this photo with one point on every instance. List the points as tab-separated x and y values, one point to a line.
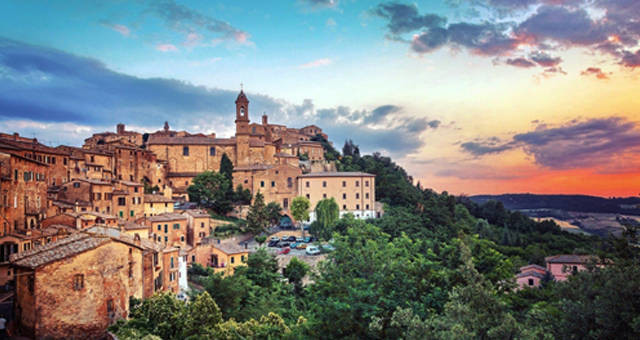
470	96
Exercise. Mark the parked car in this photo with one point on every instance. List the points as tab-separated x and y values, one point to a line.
293	245
273	243
312	250
285	238
301	246
299	239
283	244
327	248
284	251
274	238
291	238
307	239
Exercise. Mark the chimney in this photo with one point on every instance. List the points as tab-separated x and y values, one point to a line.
265	119
15	136
120	128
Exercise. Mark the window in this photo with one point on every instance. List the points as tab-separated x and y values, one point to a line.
324	184
367	207
289	182
366	183
155	259
176	226
171	261
233	259
262	184
357	206
135	189
121	214
344	207
15	175
30	283
344	196
357	195
193	258
366	195
212	151
166	239
122	201
166	228
306	184
530	282
78	282
285	203
181	238
201	224
185	151
159	227
344	184
324	195
575	269
242	258
273	184
308	196
131	213
357	183
110	306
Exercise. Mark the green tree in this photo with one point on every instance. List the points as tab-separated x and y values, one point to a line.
295	271
300	209
210	190
241	195
261	239
257	219
274	212
226	167
327	214
203	315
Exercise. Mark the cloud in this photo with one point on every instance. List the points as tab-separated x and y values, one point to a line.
595	71
630	59
605	26
186	20
122	29
544	59
50	93
317	63
166	48
321	3
605	144
520	62
331	23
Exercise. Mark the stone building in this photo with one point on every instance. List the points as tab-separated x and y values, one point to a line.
157	204
76	287
198	226
169	229
121	134
259	152
56	159
354	192
23	190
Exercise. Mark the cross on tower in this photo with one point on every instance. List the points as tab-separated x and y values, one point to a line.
241	86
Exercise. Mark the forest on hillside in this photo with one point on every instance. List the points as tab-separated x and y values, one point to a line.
434	266
579	203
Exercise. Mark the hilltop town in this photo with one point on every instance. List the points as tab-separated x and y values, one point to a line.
84	229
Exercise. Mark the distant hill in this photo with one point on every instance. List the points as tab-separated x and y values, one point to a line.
580	203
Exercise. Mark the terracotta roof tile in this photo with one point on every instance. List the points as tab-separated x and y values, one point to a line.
70	246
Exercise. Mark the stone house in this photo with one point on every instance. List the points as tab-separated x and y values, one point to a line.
76	287
157	204
169	229
354	192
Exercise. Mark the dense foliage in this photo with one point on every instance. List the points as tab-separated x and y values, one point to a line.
434	266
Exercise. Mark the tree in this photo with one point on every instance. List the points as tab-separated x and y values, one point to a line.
274	211
295	272
203	316
257	219
300	208
241	195
261	239
327	214
210	190
226	167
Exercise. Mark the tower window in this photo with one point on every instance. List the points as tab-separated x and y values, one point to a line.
212	151
185	151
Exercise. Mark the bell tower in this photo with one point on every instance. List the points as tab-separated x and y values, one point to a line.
242	130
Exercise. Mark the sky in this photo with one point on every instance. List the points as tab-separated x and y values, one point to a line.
470	96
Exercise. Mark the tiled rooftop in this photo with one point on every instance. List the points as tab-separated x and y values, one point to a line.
74	244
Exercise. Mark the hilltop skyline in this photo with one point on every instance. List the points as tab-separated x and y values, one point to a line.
473	97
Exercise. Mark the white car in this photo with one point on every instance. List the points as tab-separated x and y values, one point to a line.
312	250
